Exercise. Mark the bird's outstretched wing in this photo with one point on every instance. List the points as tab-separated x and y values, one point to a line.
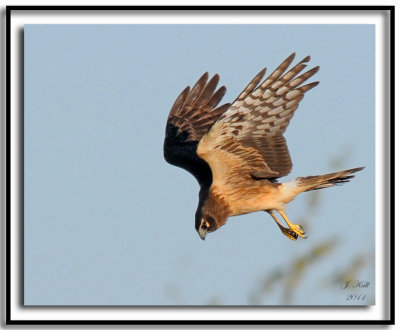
193	113
248	137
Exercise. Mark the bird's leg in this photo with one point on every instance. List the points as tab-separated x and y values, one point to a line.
296	228
289	233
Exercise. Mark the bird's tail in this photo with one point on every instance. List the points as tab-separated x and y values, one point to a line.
327	180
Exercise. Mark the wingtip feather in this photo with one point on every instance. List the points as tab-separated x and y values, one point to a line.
180	100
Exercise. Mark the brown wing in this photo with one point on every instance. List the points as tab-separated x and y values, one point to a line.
230	161
256	122
194	110
191	116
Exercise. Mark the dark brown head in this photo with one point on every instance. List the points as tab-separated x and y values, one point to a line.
211	214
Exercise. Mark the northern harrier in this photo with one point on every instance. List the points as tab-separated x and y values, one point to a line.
237	151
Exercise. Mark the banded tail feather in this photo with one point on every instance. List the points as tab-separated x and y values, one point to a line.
316	182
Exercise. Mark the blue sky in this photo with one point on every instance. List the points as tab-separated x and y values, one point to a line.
109	222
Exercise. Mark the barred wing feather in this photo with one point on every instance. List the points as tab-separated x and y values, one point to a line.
255	124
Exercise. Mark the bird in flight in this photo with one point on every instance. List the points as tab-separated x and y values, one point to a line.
237	150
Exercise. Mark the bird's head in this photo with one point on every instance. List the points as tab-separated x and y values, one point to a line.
210	215
205	225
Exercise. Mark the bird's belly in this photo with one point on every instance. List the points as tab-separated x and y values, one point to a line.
254	205
255	199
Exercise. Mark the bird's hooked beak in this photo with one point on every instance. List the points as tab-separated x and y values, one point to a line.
202	233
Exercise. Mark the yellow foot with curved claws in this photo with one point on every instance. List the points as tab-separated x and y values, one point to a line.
285	231
292	226
297	229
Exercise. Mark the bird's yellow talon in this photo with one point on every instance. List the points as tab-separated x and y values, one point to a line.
297	229
285	231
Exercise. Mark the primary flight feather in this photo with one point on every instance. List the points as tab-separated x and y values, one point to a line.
237	151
